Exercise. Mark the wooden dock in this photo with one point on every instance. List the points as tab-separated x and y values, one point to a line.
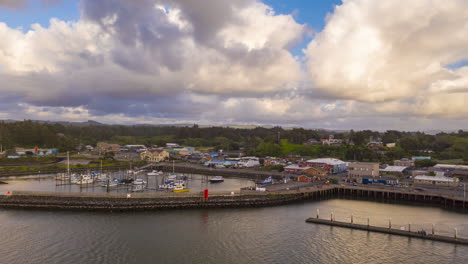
447	239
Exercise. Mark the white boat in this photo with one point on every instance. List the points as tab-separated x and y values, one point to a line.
216	179
268	180
139	182
85	179
172	176
166	186
74	179
154	173
112	183
138	188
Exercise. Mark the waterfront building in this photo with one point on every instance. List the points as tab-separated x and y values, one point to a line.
154	155
460	171
296	168
330	165
394	170
318	173
404	162
363	169
435	180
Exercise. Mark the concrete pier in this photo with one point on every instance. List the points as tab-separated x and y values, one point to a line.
390	231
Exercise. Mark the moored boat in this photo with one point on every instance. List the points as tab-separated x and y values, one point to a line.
216	179
180	188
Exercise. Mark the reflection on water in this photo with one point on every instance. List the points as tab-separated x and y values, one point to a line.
258	235
196	183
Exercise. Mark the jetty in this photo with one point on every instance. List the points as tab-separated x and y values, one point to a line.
408	233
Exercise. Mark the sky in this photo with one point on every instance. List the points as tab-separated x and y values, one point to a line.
335	64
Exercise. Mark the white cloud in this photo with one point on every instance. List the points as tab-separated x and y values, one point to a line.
380	51
221	61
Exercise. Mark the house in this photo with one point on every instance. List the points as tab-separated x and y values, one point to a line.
295	168
375	144
89	148
106	147
154	155
390	145
318	173
404	162
363	169
331	141
172	145
135	148
435	180
331	166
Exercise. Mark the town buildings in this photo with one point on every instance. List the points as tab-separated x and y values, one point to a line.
154	155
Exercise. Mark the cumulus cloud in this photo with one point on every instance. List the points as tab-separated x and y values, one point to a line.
224	61
151	50
381	51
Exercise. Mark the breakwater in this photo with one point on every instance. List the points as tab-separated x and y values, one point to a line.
389	230
244	198
138	202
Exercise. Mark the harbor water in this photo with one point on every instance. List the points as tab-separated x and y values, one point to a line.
250	235
195	182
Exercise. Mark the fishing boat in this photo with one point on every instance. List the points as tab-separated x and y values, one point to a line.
216	179
112	183
166	186
180	188
139	182
268	180
85	179
154	173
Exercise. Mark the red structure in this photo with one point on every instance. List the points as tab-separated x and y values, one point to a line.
205	194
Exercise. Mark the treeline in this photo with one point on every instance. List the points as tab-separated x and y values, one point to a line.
258	141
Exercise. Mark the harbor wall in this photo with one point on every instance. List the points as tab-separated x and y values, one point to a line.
245	198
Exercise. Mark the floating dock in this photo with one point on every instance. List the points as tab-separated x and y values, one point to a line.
453	240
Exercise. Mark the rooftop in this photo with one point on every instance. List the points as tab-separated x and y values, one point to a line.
434	178
328	161
394	169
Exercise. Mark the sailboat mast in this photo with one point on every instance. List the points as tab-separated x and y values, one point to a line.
68	163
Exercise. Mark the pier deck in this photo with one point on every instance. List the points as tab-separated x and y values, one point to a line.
390	231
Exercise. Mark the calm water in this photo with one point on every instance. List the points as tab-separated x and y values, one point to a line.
265	235
49	184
